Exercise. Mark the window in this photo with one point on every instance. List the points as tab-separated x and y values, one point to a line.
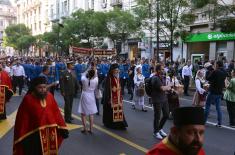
39	10
68	6
52	11
35	26
65	7
58	9
1	22
39	25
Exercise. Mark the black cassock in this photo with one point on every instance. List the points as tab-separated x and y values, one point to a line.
108	110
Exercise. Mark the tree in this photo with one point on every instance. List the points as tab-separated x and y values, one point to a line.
13	33
24	42
219	13
164	17
175	14
121	24
147	14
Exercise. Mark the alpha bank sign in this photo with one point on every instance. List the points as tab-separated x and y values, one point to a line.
210	36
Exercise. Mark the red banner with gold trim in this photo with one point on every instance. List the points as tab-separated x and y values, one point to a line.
2	99
116	100
49	143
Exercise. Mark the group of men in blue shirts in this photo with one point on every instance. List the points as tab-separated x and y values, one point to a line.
33	68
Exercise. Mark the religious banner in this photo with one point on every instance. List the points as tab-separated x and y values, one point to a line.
116	100
2	99
48	138
92	52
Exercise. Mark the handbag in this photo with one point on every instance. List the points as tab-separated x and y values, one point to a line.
140	91
98	94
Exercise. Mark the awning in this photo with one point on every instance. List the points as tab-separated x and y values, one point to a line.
210	36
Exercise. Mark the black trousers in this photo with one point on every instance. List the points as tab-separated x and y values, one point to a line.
159	122
130	86
68	105
123	83
186	84
18	81
231	112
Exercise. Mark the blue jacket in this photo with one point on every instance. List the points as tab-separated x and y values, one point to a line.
79	69
105	69
60	68
52	75
99	69
146	70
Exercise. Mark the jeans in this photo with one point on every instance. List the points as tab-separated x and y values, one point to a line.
159	122
213	99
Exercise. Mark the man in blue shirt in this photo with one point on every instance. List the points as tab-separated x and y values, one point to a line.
124	67
146	69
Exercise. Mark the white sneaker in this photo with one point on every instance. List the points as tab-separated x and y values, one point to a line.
163	134
158	135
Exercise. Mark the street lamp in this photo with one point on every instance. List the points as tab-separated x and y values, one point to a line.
60	25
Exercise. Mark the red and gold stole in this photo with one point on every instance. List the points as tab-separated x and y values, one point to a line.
2	99
116	99
48	137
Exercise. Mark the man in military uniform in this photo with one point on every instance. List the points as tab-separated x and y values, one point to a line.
68	85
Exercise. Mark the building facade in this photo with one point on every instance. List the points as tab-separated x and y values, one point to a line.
7	17
207	40
34	14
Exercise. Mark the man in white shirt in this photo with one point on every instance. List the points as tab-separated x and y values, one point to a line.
18	77
7	68
186	75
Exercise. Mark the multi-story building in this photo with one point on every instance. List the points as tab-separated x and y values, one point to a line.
207	40
7	17
34	14
60	9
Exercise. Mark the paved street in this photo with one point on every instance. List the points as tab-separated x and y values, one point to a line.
136	140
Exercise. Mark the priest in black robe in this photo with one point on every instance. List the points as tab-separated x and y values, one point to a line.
113	114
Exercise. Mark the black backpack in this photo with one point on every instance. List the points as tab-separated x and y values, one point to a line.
148	86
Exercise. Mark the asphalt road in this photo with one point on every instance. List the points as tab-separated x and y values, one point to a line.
136	140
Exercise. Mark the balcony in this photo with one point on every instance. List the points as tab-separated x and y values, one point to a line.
116	3
7	14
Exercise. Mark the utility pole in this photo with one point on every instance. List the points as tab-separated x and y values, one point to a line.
158	29
151	30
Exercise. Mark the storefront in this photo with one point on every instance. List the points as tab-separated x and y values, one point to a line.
133	48
212	45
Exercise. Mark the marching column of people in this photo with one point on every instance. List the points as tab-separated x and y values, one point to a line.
111	78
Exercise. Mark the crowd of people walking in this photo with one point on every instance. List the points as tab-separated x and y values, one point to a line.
106	82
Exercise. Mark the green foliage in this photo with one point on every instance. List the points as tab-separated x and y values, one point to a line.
227	25
13	33
90	26
199	3
121	24
188	18
25	41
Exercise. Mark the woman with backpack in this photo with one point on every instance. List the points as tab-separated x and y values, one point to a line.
139	90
